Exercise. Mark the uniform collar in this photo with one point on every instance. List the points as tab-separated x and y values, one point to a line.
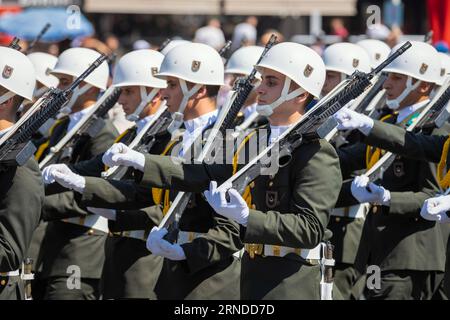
140	124
249	110
77	116
201	122
406	112
276	131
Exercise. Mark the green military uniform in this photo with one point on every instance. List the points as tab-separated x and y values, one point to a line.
130	270
290	208
69	244
210	270
21	199
408	250
417	146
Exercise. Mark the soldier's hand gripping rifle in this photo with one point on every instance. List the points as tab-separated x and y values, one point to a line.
228	114
434	115
314	124
16	147
144	141
88	127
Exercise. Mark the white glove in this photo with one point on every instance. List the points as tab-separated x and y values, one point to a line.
109	214
160	247
377	194
65	177
434	209
47	173
349	120
236	209
121	155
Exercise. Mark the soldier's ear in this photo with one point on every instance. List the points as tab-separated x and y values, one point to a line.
201	93
425	87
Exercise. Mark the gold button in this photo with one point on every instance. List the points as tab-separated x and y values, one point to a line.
3	282
416	219
253	206
91	232
252	184
337	219
270	183
374	209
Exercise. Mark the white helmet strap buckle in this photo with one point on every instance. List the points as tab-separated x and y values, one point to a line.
179	115
267	110
76	93
145	100
394	104
6	96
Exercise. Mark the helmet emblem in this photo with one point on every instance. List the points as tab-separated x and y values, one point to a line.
377	56
154	70
355	63
423	68
195	65
442	72
7	72
308	70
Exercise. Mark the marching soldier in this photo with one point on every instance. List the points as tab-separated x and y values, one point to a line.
21	188
130	271
341	60
43	64
200	265
289	211
72	252
393	227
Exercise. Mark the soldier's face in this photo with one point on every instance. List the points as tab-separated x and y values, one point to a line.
394	85
270	87
64	81
332	79
130	98
172	94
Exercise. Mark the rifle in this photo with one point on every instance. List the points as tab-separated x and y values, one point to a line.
164	44
17	148
228	113
14	44
89	126
432	116
313	124
38	37
144	141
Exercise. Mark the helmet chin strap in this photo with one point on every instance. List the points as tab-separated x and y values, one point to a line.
179	115
145	100
76	93
267	109
394	104
6	97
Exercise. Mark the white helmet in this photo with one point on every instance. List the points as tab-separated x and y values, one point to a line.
346	58
377	50
18	74
193	62
43	64
420	62
74	62
299	64
138	68
243	60
445	67
172	44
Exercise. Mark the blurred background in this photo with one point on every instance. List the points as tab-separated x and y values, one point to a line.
120	26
